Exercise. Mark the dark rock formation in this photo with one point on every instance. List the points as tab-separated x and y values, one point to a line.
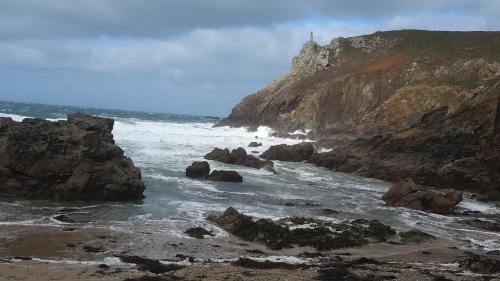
292	153
406	194
198	232
221	175
395	104
321	235
238	156
254	144
198	170
75	159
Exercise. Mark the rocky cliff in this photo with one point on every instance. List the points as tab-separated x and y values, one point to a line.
378	83
395	104
75	159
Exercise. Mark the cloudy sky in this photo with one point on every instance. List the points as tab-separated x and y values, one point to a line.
186	56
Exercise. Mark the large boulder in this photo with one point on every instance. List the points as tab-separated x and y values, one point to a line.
75	159
292	153
239	156
198	170
406	194
221	175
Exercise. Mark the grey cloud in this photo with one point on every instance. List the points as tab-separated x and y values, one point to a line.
159	18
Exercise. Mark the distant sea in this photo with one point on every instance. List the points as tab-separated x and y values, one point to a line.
163	145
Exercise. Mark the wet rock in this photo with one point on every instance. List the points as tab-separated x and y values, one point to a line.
482	264
313	233
198	170
405	194
250	263
75	159
292	153
239	156
328	212
486	225
254	144
152	265
198	232
64	218
221	175
415	237
92	249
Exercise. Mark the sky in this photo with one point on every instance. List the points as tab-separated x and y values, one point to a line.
188	56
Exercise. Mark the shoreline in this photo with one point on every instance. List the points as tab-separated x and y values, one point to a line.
88	253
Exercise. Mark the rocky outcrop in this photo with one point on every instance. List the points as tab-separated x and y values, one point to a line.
321	235
396	104
221	175
292	153
75	159
405	194
238	156
198	170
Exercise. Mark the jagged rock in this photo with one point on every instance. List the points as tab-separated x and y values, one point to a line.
75	159
405	194
239	156
198	232
254	144
292	153
278	235
199	170
221	175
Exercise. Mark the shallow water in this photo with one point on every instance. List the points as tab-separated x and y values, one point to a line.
163	145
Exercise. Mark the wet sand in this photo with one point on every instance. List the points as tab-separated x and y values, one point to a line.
85	253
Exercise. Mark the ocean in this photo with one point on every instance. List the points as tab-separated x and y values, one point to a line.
163	145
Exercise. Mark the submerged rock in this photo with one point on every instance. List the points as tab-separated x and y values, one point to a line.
75	159
221	175
199	170
239	156
405	194
292	153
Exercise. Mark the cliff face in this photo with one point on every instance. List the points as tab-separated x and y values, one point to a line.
374	84
416	104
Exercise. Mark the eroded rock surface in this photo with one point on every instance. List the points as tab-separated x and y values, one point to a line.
75	159
292	153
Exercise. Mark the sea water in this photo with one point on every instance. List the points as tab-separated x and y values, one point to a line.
163	145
